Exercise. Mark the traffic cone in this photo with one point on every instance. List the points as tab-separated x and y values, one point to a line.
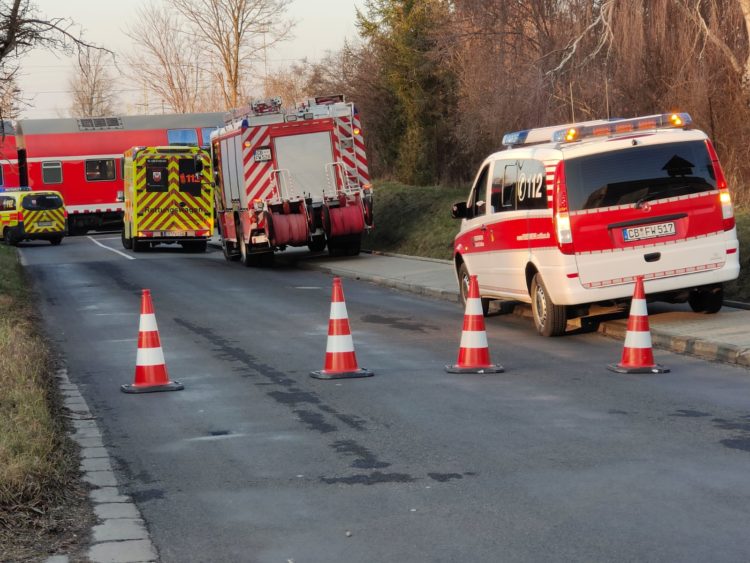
150	369
474	353
637	355
341	361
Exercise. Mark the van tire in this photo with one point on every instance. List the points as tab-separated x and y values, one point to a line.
463	283
140	246
549	319
9	235
54	241
708	300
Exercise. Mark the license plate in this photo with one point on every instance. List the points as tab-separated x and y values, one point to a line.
174	233
262	154
648	231
44	223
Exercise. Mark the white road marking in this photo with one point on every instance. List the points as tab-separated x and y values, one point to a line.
112	249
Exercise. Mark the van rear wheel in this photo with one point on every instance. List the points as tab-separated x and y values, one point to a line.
707	300
549	319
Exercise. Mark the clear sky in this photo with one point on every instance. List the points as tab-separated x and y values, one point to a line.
322	25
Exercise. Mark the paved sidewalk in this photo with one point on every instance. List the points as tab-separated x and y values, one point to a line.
724	336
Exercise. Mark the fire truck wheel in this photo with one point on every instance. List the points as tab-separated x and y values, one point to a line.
229	254
463	275
354	246
266	259
245	257
549	319
707	300
54	241
127	243
317	244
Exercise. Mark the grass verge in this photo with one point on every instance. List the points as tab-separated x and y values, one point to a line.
416	221
42	504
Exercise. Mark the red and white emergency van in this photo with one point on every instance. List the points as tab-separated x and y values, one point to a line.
569	215
82	158
291	178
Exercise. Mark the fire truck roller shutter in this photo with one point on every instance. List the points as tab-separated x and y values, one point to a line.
341	221
290	229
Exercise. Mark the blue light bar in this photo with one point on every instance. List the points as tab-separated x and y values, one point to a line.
515	138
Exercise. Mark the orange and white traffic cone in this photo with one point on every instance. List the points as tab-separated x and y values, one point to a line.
150	368
341	361
474	352
637	354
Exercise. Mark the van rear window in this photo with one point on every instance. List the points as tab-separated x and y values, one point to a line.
41	202
638	174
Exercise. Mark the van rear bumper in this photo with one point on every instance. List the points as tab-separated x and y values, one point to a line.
571	292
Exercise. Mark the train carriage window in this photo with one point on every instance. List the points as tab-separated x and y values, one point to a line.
100	170
185	137
52	172
1	176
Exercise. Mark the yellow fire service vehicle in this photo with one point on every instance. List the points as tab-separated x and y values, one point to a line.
168	197
27	214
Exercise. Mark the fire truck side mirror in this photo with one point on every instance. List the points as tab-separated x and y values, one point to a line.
459	210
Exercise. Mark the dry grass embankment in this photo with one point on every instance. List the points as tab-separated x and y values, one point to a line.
416	221
42	504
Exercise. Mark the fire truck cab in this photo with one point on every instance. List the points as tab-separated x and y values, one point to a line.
168	197
291	178
569	215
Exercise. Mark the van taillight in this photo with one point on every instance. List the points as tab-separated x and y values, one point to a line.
727	210
561	217
19	216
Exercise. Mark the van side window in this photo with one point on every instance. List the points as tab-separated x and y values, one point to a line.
503	190
531	190
7	203
52	172
477	204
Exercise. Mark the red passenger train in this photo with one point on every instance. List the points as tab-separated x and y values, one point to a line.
82	157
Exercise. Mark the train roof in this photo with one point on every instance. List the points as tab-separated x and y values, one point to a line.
114	123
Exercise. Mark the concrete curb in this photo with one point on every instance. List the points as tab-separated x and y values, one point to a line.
121	536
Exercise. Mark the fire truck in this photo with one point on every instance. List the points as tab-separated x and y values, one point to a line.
291	178
82	158
168	198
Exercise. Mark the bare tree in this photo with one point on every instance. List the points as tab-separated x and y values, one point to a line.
10	94
166	61
22	28
291	83
92	86
235	33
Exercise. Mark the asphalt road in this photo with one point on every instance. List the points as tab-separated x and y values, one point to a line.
557	459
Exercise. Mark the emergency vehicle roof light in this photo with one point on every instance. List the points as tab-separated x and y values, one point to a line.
541	134
19	189
620	126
